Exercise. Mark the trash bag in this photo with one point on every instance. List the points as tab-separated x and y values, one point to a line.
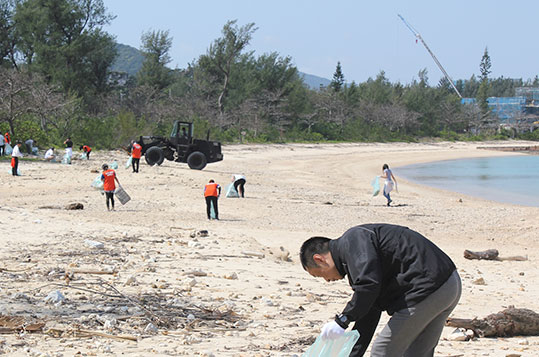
34	150
212	211
8	149
128	162
340	347
375	186
83	156
231	191
114	165
122	196
66	159
97	183
10	171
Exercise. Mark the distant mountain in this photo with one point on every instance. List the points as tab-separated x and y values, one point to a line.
130	60
314	82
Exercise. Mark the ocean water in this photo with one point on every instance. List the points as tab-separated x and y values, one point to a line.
508	179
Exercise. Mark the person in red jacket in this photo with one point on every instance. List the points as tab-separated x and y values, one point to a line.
212	191
7	137
108	177
136	149
87	150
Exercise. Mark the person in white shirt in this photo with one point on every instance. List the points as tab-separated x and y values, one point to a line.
2	145
390	182
239	183
15	158
49	155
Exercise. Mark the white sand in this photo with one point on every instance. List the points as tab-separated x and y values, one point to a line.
292	193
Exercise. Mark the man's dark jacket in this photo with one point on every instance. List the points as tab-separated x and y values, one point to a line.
389	268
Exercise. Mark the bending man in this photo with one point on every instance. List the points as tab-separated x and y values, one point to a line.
390	268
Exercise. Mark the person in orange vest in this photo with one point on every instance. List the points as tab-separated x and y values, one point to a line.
108	177
87	150
136	150
7	137
212	191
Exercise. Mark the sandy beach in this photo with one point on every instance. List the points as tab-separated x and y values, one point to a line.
239	290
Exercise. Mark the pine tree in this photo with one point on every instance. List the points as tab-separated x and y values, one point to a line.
338	79
482	92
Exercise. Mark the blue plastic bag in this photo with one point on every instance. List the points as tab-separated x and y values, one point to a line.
340	347
129	161
231	191
375	186
8	149
66	159
97	183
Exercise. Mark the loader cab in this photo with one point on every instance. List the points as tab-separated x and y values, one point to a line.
182	133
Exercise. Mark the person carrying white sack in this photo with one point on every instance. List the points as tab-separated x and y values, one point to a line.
389	183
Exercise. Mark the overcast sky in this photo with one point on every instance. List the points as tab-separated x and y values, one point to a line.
365	36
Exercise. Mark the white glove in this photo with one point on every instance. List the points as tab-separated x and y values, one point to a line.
332	331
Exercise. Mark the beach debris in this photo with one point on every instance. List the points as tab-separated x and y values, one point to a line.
231	276
196	272
15	324
509	322
94	244
49	207
459	334
491	254
74	206
479	281
253	254
54	297
201	233
151	329
280	253
75	332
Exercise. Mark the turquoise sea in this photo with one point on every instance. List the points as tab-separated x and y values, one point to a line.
508	179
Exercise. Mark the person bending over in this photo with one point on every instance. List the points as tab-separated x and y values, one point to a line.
389	268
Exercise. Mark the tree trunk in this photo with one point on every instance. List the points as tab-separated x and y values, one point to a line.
506	323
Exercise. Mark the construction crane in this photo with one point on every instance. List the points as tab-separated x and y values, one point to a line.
418	36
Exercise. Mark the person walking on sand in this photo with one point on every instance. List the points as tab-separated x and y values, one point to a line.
15	155
136	150
390	268
87	150
212	191
108	177
389	183
239	184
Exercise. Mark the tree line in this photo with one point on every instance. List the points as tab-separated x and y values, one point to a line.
56	81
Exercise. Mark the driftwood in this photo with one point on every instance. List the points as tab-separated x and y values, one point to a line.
491	254
74	206
16	324
87	333
506	323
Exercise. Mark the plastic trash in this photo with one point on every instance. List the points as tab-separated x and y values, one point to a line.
231	191
114	165
34	150
340	347
94	244
10	171
8	149
375	186
83	156
66	159
97	183
122	196
128	162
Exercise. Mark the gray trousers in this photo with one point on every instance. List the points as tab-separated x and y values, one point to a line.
415	331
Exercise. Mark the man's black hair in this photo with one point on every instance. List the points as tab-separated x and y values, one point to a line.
312	246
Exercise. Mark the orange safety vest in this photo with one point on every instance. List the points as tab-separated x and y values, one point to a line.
108	180
86	148
135	151
211	190
8	138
